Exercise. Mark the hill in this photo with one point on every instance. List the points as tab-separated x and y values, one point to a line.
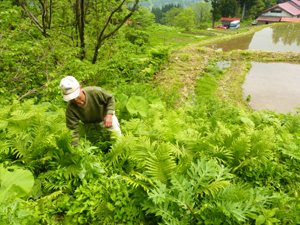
159	3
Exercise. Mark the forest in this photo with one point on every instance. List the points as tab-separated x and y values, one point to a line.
187	3
192	151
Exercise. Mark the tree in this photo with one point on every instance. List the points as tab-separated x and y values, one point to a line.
81	16
228	8
137	37
215	10
169	16
185	19
201	12
270	3
103	35
158	14
254	8
144	17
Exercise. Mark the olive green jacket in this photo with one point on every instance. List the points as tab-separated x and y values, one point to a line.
98	104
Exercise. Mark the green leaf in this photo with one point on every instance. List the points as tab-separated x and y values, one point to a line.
3	124
138	105
260	220
248	122
122	98
18	183
272	212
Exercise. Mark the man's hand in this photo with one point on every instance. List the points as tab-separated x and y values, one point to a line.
108	120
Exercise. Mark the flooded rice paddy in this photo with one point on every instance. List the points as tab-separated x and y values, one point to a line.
270	86
275	38
273	86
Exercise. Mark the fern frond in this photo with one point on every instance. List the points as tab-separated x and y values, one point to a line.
187	135
121	149
256	118
61	186
208	177
20	145
232	210
136	179
63	142
71	171
159	194
240	149
244	163
290	146
19	121
214	187
5	146
160	164
143	148
292	151
180	183
293	125
219	131
221	154
20	115
262	142
183	156
48	198
103	209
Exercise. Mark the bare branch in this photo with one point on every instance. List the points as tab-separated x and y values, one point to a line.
32	91
32	17
102	37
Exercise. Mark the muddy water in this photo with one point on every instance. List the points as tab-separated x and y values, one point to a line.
273	86
284	38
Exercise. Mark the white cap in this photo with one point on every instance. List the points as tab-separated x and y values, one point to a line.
70	88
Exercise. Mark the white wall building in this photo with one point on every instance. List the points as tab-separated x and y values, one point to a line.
284	12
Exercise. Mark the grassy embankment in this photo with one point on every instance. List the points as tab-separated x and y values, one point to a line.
190	57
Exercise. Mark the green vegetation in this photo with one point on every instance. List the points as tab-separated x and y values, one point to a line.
191	150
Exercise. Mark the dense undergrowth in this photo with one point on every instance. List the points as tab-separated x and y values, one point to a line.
204	161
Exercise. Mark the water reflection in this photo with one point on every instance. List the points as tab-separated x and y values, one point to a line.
284	38
273	86
223	64
287	35
241	43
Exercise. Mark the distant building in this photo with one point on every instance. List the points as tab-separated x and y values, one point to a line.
284	12
226	21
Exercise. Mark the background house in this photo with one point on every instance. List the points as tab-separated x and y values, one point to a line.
284	12
226	21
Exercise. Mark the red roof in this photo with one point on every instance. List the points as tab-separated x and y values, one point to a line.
229	19
288	7
269	18
297	2
289	19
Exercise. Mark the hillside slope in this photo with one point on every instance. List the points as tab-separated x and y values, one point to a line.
159	3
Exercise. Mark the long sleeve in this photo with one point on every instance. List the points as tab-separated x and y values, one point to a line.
108	99
98	104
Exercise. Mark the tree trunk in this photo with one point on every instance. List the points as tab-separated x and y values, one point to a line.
244	6
238	8
80	24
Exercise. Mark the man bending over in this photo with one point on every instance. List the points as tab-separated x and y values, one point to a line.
89	105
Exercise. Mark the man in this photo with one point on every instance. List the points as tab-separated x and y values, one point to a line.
89	105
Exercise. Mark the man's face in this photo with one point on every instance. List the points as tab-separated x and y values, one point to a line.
80	100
